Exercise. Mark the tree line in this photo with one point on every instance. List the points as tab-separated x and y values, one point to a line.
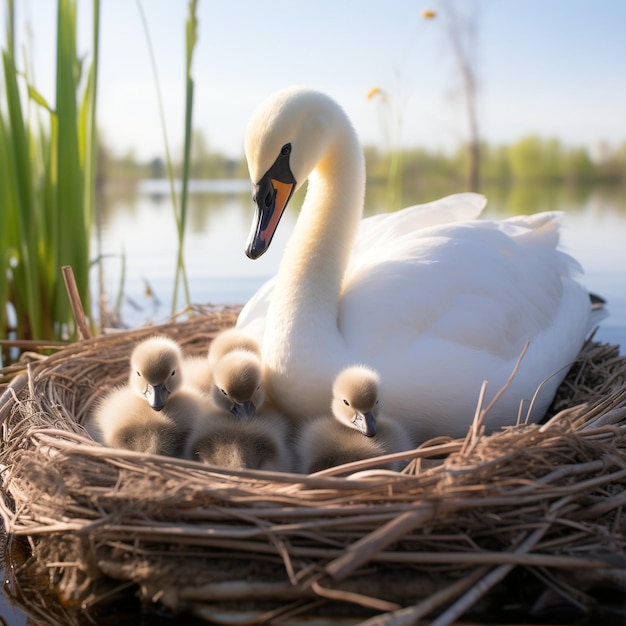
531	159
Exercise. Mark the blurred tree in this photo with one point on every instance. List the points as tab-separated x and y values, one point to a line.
207	164
532	159
495	167
578	167
611	166
461	27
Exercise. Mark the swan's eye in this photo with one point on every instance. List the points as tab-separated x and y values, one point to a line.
139	373
269	197
346	402
224	392
286	149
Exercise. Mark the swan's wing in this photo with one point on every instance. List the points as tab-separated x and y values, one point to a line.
484	285
440	312
377	229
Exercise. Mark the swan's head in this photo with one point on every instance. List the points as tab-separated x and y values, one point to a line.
237	384
229	340
355	398
286	138
155	370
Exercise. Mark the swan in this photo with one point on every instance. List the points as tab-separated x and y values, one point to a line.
433	298
356	429
261	443
237	386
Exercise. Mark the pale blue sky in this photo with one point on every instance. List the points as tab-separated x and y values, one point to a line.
553	67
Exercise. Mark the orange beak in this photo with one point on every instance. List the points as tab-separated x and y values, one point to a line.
271	196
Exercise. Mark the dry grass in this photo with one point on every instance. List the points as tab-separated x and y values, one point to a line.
523	518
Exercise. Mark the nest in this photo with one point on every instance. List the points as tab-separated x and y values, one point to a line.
527	521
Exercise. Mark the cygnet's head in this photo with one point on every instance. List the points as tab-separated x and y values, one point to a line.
155	370
355	398
229	340
237	386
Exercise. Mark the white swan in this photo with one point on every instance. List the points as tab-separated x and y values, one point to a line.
433	299
355	430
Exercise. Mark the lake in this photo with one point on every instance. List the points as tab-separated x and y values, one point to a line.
138	231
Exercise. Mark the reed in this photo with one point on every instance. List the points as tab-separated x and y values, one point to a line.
191	37
180	210
47	184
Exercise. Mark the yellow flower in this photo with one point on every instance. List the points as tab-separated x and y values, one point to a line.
429	14
373	92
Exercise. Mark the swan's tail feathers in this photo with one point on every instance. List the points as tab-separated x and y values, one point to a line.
599	311
597	302
541	229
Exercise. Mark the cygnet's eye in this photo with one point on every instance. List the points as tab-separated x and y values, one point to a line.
139	373
224	392
346	402
173	372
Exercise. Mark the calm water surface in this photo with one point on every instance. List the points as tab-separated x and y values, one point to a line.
139	231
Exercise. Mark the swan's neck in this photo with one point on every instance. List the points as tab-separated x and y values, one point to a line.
305	305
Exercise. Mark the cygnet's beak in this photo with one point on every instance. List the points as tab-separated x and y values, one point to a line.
366	423
157	396
271	195
243	410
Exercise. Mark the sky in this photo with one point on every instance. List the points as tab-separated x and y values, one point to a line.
551	67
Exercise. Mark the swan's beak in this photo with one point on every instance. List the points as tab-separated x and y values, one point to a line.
271	195
366	423
157	395
243	410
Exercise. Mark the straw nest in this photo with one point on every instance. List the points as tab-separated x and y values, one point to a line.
521	522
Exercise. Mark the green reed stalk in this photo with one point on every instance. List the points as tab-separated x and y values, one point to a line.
191	38
20	225
180	229
47	185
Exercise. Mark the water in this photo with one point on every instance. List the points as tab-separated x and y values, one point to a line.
141	228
